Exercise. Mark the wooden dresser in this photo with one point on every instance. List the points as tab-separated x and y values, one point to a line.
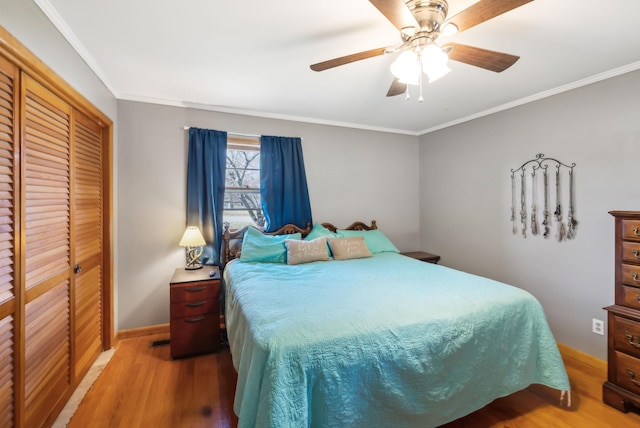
195	312
622	388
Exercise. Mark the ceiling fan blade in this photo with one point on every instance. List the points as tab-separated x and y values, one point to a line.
396	11
484	10
396	88
325	65
483	58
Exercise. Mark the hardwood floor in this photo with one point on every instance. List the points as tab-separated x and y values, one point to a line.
143	387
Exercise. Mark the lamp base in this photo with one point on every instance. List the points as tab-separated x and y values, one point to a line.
193	258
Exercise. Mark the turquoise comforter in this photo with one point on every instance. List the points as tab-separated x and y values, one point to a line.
386	341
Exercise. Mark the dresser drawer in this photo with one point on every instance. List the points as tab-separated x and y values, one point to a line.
627	372
631	252
190	308
189	292
631	230
626	335
631	275
631	297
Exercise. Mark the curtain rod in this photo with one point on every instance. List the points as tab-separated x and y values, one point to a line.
237	134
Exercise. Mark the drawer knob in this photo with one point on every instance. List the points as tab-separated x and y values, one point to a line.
632	377
636	253
636	231
632	341
197	319
194	289
634	275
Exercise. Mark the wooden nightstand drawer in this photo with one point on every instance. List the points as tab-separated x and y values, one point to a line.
626	335
195	307
194	291
194	335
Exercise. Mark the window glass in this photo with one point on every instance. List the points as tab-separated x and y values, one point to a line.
242	204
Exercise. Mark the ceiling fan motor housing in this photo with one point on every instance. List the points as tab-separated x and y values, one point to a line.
430	14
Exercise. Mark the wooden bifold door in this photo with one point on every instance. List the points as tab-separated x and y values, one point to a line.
52	247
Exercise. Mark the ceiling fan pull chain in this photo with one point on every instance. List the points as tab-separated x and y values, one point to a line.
421	99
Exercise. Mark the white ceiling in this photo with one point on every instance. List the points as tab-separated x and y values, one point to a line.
253	57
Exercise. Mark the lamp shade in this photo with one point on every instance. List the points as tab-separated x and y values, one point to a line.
192	238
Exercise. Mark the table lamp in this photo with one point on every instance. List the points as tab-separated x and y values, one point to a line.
193	241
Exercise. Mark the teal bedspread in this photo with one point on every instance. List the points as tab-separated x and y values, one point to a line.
386	341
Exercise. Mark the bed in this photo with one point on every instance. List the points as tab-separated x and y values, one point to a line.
382	340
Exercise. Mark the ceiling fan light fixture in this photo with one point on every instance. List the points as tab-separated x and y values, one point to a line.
449	29
434	62
406	68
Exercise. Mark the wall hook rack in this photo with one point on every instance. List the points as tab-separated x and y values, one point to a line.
528	215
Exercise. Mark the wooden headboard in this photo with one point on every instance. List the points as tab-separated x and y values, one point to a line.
232	238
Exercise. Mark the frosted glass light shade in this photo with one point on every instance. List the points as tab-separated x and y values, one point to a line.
406	68
434	62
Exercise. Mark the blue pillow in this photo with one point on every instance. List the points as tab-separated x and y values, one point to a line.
376	241
320	231
258	247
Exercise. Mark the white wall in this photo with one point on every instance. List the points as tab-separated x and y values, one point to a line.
26	22
352	175
466	197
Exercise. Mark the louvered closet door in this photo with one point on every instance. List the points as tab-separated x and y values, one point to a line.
47	270
87	221
8	91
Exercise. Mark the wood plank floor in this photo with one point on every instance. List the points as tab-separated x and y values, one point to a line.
142	387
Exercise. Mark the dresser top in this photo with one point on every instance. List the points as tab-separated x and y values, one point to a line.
629	214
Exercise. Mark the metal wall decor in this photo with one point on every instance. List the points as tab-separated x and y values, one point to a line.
528	179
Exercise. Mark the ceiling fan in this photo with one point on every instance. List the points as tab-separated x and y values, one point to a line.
421	22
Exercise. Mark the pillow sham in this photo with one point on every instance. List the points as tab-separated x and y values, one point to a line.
376	241
306	251
258	247
349	248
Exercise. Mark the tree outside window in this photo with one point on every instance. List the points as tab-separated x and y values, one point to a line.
242	203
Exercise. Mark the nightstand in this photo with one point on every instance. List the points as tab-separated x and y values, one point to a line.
195	312
425	257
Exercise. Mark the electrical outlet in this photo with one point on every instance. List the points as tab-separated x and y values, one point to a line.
597	326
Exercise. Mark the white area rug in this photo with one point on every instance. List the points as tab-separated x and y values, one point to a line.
85	384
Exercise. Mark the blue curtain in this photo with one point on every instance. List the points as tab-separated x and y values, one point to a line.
283	183
206	166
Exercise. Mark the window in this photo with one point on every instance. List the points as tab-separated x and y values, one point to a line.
242	203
